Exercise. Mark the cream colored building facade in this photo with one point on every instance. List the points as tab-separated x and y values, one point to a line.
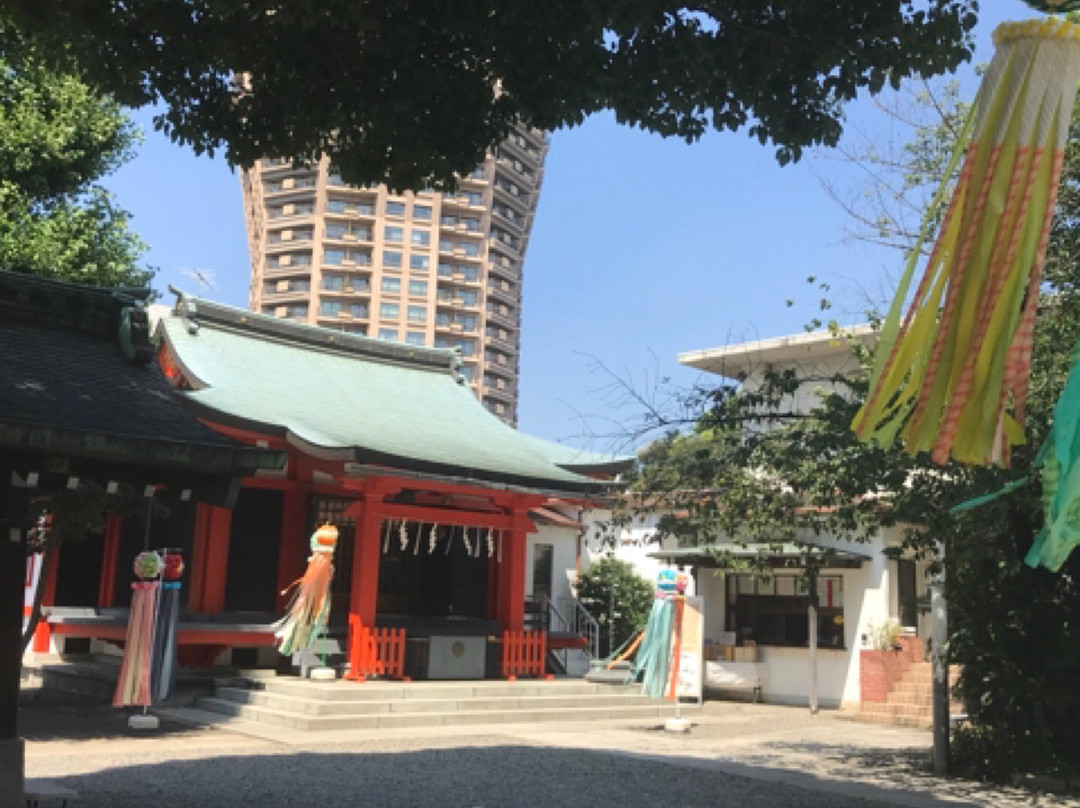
426	268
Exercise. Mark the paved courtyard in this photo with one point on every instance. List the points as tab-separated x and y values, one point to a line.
736	755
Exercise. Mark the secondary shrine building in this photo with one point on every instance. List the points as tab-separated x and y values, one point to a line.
434	499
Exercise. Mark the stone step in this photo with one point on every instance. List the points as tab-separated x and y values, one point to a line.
314	706
342	690
301	721
892	720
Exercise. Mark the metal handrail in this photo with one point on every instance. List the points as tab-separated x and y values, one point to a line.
583	623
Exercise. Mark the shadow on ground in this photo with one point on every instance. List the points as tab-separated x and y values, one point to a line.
470	777
63	717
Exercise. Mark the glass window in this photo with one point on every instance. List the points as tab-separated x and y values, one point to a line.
421	238
358	310
395	208
389	311
445	245
421	212
419	262
365	209
391	285
297	312
329	308
446	270
417	314
773	611
336	229
333	283
336	205
333	257
414	337
448	220
360	257
471	273
467	372
467	347
300	259
471	223
467	297
388	333
468	322
392	259
471	248
395	234
418	288
442	318
474	198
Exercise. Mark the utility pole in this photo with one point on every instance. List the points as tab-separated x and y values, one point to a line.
812	617
939	638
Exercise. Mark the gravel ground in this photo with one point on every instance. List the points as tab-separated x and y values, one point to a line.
736	755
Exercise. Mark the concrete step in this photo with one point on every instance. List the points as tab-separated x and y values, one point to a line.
300	721
342	690
314	706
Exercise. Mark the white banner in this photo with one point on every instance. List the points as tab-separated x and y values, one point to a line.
30	584
691	650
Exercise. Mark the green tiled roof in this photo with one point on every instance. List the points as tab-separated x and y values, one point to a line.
343	396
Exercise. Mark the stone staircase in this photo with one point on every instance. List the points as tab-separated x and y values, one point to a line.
295	703
908	702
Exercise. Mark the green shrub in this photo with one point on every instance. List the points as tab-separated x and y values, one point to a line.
618	598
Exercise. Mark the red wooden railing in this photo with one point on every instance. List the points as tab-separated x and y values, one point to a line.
375	651
523	654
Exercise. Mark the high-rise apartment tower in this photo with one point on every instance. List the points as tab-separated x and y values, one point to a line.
425	268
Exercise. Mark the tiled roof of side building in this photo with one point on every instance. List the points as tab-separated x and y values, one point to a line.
358	399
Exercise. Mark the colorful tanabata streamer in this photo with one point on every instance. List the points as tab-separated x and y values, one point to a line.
1060	460
309	609
133	686
946	377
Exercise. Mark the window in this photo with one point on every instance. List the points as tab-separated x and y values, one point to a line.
467	372
467	321
395	208
392	285
467	347
442	318
421	238
421	212
333	283
394	234
467	297
471	223
471	274
333	257
300	259
297	312
445	245
336	205
417	314
418	288
414	337
361	257
336	229
471	248
365	208
390	311
773	611
329	308
391	259
419	262
359	311
446	270
474	198
388	334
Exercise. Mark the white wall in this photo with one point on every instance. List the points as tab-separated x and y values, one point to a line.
564	544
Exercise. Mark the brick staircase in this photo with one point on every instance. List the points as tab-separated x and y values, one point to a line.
908	701
288	701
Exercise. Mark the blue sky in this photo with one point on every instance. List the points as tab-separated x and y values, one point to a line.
642	248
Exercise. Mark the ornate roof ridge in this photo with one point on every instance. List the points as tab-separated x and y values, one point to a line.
197	311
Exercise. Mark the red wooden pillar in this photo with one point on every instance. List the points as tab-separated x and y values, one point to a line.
292	542
210	559
48	598
365	569
511	606
110	552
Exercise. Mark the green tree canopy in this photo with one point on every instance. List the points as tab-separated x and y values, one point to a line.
58	139
617	597
411	93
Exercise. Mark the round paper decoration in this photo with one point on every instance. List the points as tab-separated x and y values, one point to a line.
147	565
174	565
324	540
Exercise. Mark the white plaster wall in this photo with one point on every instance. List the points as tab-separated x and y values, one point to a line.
564	559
